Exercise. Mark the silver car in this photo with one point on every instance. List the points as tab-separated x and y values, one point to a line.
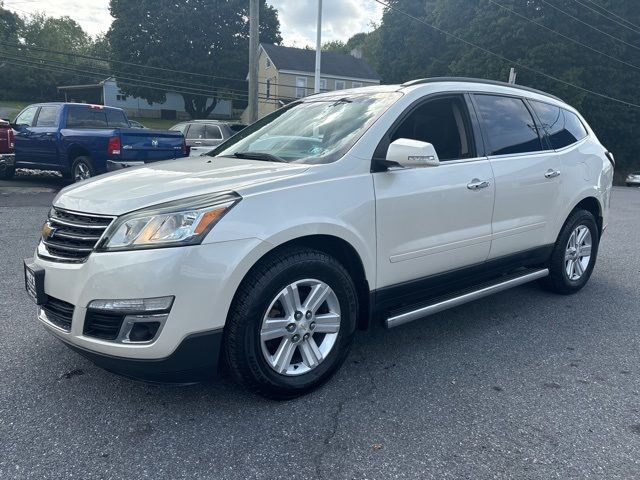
633	179
202	136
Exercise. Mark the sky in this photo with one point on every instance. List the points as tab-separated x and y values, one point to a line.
340	18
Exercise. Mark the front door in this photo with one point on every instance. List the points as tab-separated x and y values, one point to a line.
432	220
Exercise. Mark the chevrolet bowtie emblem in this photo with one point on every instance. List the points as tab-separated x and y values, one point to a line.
47	230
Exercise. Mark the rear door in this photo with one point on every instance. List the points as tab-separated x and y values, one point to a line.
434	219
527	185
44	135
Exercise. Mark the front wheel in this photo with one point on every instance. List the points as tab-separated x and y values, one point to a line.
291	324
574	254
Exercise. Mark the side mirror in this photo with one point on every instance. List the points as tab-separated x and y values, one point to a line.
412	154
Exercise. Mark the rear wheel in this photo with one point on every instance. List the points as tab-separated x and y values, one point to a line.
7	173
574	254
291	324
82	169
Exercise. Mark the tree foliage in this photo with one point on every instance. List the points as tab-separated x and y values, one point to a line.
402	49
198	36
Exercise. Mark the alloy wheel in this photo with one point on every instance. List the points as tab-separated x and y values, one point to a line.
81	172
578	253
300	327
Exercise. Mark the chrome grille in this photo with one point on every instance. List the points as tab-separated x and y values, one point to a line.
70	236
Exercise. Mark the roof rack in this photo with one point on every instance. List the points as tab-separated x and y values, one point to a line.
421	81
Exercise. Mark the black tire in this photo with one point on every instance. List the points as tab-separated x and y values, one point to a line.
78	166
242	345
558	280
7	173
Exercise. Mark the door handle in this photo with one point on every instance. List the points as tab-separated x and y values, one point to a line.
198	142
552	173
477	184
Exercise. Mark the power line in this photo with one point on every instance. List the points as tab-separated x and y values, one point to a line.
590	26
577	42
613	14
634	30
505	59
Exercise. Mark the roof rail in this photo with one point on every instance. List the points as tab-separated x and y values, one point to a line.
421	81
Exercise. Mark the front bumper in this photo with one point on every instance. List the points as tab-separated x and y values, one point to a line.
202	278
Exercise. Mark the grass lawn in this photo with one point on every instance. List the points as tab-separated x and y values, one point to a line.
157	123
17	104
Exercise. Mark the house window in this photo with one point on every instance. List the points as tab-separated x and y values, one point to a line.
301	87
323	84
268	62
339	84
121	98
356	84
268	88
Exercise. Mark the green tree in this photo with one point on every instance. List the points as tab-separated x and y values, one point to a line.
198	36
523	32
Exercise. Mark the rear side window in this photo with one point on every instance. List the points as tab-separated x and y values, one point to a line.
86	117
48	116
509	125
116	119
180	127
213	132
26	117
563	128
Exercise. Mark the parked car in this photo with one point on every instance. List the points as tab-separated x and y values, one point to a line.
135	124
633	179
82	140
7	158
203	135
385	204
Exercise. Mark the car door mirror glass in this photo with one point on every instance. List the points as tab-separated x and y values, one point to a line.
408	153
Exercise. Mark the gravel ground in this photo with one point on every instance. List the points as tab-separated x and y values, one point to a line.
524	384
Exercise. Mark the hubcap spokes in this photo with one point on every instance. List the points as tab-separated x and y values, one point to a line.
578	253
300	327
82	172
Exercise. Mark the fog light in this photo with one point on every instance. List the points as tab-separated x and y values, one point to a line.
143	331
134	305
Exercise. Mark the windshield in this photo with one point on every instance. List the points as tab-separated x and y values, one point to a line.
312	131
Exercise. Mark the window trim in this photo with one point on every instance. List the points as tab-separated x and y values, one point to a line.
344	85
475	149
485	136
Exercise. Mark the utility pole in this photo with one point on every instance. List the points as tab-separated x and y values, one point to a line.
512	75
254	21
316	85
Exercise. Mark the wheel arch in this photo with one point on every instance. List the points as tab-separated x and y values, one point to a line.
592	205
75	151
339	248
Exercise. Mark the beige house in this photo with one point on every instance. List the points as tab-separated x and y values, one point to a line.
287	73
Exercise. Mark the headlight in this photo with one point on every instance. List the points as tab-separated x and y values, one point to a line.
183	222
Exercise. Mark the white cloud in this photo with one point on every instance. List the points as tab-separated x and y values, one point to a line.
340	18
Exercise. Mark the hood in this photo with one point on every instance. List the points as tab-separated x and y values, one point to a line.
131	189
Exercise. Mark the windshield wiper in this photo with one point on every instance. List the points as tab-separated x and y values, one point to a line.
267	157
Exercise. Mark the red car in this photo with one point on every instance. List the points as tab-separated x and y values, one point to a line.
7	157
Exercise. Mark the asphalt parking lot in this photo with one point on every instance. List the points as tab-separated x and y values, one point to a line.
524	384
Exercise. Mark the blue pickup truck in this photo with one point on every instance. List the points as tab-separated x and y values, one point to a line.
82	140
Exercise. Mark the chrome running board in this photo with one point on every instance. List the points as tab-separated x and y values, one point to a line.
468	296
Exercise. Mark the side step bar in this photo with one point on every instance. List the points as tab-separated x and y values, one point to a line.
468	296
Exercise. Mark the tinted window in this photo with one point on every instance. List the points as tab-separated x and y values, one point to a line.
26	117
86	117
117	119
48	116
196	131
509	125
563	128
213	132
443	123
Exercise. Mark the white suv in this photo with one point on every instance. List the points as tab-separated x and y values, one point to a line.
385	203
